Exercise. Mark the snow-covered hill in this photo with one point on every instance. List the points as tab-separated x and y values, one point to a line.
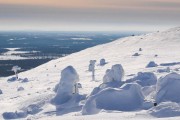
161	47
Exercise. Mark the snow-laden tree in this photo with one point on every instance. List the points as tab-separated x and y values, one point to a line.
16	69
67	86
92	68
92	65
116	73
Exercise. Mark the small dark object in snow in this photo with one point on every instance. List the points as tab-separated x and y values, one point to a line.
136	54
155	55
155	104
140	49
79	85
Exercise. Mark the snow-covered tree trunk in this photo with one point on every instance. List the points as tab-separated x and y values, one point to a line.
16	69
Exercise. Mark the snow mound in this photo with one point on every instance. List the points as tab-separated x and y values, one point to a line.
116	73
24	80
136	54
12	79
66	87
151	64
165	109
168	88
20	89
144	79
129	97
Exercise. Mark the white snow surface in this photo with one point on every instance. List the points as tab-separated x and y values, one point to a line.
38	92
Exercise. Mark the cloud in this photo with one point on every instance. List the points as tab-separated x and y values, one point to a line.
159	4
89	12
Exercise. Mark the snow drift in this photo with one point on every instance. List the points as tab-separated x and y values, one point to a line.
129	97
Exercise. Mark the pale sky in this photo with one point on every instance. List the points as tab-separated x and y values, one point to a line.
85	15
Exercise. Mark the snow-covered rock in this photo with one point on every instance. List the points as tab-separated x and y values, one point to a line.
66	87
116	73
168	88
129	97
151	64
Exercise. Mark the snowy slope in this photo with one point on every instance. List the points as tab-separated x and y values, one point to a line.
42	80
